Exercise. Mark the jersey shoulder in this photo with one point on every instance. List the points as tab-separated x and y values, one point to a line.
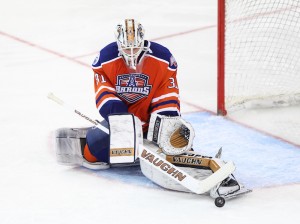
108	53
162	53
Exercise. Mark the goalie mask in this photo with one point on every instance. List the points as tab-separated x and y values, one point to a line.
130	39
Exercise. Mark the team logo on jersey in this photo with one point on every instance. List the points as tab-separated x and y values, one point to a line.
133	87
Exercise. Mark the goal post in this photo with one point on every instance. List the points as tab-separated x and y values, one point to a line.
221	59
258	54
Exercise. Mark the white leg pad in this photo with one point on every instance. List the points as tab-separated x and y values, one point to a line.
68	145
125	138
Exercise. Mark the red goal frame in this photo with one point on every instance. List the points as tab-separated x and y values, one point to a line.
221	110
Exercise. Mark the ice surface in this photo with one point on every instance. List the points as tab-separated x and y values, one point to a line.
48	46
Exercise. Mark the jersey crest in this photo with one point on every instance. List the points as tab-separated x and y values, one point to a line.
133	87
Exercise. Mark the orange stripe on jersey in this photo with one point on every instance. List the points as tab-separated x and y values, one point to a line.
104	98
104	88
168	107
103	94
166	102
162	97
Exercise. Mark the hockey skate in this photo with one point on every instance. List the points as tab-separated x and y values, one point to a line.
227	189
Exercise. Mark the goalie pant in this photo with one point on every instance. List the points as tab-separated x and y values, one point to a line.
97	144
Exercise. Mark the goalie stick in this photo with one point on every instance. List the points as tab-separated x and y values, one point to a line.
62	103
183	178
153	159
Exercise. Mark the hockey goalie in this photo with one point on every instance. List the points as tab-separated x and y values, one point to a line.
137	94
166	157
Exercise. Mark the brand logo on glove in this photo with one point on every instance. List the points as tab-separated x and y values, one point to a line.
185	160
156	129
133	87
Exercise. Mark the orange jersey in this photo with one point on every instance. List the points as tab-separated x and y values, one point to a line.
151	88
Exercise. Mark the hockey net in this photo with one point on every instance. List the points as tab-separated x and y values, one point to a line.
258	54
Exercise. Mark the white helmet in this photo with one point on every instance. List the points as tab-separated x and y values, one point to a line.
130	39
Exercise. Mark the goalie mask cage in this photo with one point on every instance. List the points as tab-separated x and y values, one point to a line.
258	54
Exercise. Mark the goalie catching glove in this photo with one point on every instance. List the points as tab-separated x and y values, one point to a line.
172	134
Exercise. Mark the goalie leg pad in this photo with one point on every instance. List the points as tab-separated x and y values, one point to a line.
69	145
120	146
125	138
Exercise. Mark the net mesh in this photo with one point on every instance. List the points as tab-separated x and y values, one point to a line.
262	53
